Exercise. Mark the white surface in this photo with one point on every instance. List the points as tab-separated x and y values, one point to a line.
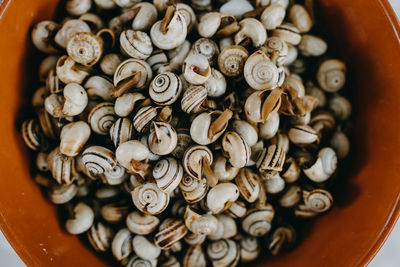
387	257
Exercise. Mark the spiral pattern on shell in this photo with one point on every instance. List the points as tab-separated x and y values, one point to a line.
318	200
143	118
232	59
194	256
136	44
97	160
121	131
32	135
165	88
224	252
115	176
171	231
184	141
249	248
207	48
100	237
102	117
85	48
135	261
193	98
193	157
61	194
247	182
141	224
193	239
260	73
279	47
61	167
258	222
148	198
168	174
193	190
271	159
128	68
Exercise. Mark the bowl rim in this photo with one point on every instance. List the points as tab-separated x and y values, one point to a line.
394	21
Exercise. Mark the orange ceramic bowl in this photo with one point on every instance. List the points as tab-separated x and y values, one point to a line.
365	33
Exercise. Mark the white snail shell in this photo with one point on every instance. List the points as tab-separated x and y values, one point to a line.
232	59
148	198
324	167
168	174
224	252
258	222
102	117
136	44
221	197
165	88
248	185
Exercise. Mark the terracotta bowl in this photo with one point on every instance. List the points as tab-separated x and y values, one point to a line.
364	33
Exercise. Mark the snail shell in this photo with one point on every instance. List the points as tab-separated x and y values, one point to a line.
135	44
302	211
193	190
288	33
247	131
273	183
121	131
236	8
277	50
193	99
148	198
165	88
270	127
175	34
282	237
32	135
73	137
225	252
188	14
184	141
291	197
249	249
98	160
69	29
331	75
341	107
302	135
168	174
341	144
144	248
99	87
125	104
127	70
271	159
171	261
258	221
141	224
81	220
251	31
322	121
196	69
237	209
201	128
94	21
324	167
291	170
115	176
157	59
292	55
216	84
85	48
236	149
221	197
132	151
193	157
121	245
194	257
110	63
48	64
193	239
143	118
102	117
200	224
114	212
39	97
255	105
146	16
162	139
301	19
248	185
260	73
226	228
171	231
232	59
223	169
273	16
41	162
311	45
318	200
139	262
42	35
61	167
61	194
207	48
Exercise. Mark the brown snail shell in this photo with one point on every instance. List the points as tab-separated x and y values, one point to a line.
170	231
85	48
232	59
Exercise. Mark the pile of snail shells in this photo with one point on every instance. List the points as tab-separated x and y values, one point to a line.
183	133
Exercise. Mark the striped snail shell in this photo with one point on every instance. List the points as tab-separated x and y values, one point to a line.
260	104
157	59
277	48
249	249
193	239
302	135
224	252
291	170
50	126
318	200
100	237
178	208
168	174
143	118
260	73
135	44
152	156
193	99
61	167
85	48
193	190
171	261
258	221
291	197
121	131
102	117
271	159
184	141
237	209
247	182
193	157
61	194
53	82
115	176
33	136
232	59
121	245
148	198
162	139
170	231
194	256
136	261
207	48
288	33
236	149
165	88
188	14
114	212
283	237
141	224
98	160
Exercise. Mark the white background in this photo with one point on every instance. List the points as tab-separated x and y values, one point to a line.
389	256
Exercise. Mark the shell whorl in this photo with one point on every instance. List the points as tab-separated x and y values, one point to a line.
168	174
98	160
165	88
102	117
148	198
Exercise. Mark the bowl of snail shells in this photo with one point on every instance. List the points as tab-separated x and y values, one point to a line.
199	133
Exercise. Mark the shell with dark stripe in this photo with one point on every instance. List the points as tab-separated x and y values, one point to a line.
236	148
32	135
148	198
165	88
192	159
258	221
194	256
100	237
247	182
98	160
102	117
116	176
224	252
168	174
193	190
157	59
121	131
61	167
51	126
143	118
193	99
271	159
171	231
127	69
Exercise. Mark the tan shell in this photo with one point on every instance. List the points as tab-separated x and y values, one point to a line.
215	23
311	45
61	194
291	170
258	221
249	249
85	48
291	197
206	128
162	139
251	32
271	159
188	14
168	174
157	59
282	237
125	104
194	256
81	221
216	84
146	16
121	245
277	50
69	29
273	16
260	104
165	88
324	166
121	131
141	224
68	71
207	48
184	141
273	183
170	232
270	127
341	107
200	224
318	200
237	209
42	35
73	137
226	228
224	252
288	33
193	239
193	99
232	59
102	117
135	44
132	153
236	149
61	167
143	118
248	184
148	198
97	160
221	197
341	144
98	87
196	69
223	169
144	248
331	75
300	18
110	63
302	135
193	190
114	212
